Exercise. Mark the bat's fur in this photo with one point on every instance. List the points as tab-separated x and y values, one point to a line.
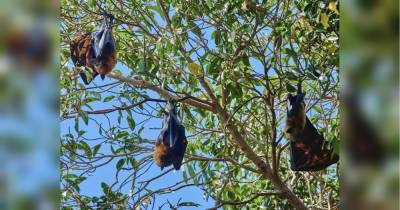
166	154
82	54
295	122
307	149
162	155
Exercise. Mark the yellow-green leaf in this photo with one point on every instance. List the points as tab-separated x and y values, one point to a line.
333	7
245	6
195	69
324	19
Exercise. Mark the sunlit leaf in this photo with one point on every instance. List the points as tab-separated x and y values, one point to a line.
108	98
195	69
333	7
324	19
245	6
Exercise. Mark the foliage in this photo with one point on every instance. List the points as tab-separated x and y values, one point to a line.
249	53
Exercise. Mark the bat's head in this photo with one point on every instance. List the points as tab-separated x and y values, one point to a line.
107	30
295	102
108	20
107	40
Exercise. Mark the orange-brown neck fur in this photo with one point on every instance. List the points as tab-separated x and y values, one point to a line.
295	123
161	155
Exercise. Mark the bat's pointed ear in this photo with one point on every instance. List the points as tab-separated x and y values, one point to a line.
108	19
299	91
301	96
111	19
165	112
289	102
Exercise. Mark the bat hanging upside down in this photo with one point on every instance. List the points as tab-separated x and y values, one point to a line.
307	151
95	50
171	143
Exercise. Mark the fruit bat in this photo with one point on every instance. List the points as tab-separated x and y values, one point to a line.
171	143
307	151
95	50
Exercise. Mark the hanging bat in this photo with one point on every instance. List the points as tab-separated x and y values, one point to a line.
307	151
171	143
95	50
296	117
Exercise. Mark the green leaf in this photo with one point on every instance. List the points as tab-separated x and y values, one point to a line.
119	116
333	7
68	135
74	185
86	148
245	60
84	116
76	127
108	98
80	180
120	163
128	111
70	176
290	88
189	204
191	171
216	35
112	149
324	19
96	149
105	187
335	146
81	132
195	29
195	69
291	53
185	178
91	99
291	76
317	109
231	195
91	3
131	123
212	67
133	162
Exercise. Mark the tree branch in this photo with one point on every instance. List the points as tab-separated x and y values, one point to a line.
263	167
164	93
230	124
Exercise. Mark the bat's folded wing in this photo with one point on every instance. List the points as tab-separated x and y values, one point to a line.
81	47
